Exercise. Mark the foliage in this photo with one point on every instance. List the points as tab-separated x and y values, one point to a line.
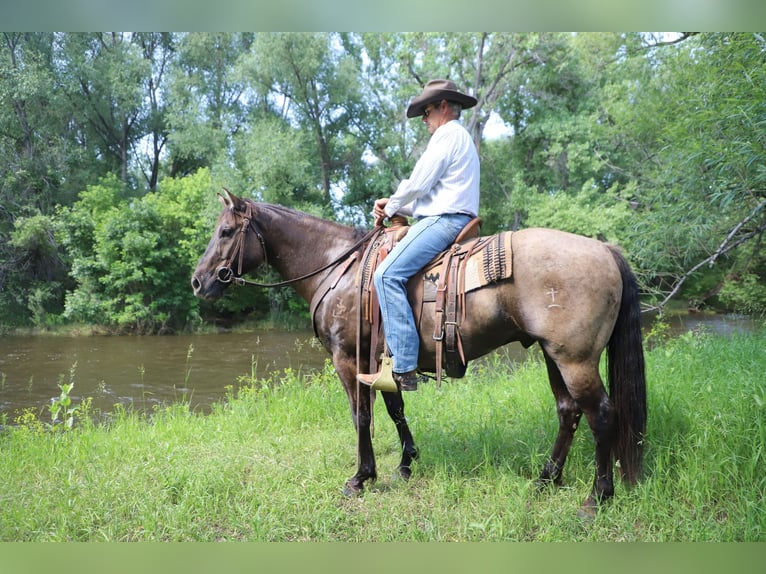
747	293
132	258
206	100
588	212
33	292
700	129
651	141
61	408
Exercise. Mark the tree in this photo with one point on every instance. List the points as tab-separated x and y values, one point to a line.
34	162
158	49
654	142
701	134
104	76
207	101
312	85
490	66
132	258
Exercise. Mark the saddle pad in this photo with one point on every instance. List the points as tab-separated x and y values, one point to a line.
490	260
491	264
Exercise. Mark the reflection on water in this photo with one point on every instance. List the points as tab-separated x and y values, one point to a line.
146	371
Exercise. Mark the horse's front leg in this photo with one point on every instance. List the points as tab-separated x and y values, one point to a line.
395	408
361	412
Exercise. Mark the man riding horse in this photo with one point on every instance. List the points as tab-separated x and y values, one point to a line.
442	195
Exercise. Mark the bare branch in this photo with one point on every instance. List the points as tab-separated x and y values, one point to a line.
734	231
726	246
683	36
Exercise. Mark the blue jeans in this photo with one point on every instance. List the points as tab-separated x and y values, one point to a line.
424	241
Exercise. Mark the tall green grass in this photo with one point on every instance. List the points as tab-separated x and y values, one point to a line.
269	463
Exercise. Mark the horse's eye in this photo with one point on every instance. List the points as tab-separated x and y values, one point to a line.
225	231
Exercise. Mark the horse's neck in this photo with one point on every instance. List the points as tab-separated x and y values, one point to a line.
298	243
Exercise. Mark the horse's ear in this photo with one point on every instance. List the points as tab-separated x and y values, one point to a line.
228	199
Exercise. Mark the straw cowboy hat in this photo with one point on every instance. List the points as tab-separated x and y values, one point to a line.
435	91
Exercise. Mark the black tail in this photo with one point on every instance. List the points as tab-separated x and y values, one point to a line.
627	378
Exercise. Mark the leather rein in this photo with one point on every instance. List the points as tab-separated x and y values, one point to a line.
225	274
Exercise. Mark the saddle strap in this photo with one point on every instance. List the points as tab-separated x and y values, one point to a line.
376	252
449	306
438	335
453	345
377	325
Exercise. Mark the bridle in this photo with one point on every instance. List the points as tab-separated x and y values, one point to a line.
225	274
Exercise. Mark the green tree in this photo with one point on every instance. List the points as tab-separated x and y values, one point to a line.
312	84
35	163
133	258
208	102
700	132
488	65
33	160
157	48
104	78
655	142
561	163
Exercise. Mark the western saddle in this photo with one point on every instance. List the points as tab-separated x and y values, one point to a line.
446	270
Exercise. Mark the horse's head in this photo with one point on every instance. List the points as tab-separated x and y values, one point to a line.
236	247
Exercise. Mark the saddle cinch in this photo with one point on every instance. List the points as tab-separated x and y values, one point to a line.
470	263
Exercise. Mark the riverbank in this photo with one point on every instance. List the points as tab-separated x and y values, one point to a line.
144	372
268	464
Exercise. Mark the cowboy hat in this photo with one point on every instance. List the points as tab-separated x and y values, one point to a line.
435	91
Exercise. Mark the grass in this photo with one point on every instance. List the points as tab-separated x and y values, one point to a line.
269	463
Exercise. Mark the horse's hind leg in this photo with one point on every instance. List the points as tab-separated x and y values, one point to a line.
600	413
569	417
584	383
395	408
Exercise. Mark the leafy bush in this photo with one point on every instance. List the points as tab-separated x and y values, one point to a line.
32	287
132	257
746	294
588	212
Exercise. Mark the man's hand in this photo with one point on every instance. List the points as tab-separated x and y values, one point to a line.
378	211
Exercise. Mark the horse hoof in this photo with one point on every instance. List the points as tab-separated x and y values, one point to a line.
405	472
351	490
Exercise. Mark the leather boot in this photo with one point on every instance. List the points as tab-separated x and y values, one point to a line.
408	381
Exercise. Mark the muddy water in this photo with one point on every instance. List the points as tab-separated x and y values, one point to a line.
147	371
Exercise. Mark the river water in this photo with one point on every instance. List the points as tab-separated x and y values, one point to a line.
146	371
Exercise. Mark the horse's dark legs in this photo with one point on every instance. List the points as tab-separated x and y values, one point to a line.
578	389
569	417
601	418
395	408
361	412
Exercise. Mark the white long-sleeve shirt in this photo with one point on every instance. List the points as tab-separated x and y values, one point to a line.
445	178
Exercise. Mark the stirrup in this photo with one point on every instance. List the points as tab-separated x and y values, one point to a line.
385	380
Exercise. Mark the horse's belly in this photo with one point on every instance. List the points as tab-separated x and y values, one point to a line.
487	325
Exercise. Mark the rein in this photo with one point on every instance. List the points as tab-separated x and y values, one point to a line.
225	274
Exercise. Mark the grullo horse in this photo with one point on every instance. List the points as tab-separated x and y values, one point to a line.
572	295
